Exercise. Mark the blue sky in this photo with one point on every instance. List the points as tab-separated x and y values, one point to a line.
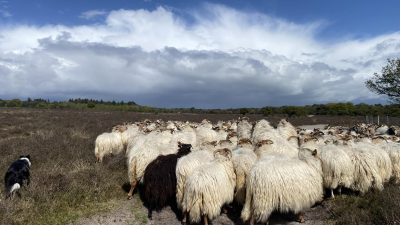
195	53
357	18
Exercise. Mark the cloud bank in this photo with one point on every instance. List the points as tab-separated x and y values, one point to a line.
210	57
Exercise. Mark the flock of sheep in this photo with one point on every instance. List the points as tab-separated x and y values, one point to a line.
200	167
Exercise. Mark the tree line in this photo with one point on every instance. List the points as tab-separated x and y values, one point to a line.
347	108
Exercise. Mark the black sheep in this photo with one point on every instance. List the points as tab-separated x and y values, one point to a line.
159	186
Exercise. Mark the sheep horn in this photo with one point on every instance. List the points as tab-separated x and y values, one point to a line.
291	137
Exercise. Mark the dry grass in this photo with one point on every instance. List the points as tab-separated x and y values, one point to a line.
373	208
66	182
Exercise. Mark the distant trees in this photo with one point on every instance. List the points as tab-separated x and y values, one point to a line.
388	82
340	108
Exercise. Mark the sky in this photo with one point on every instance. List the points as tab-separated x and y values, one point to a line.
214	54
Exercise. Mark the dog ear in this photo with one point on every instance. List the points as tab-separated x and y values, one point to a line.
28	156
21	156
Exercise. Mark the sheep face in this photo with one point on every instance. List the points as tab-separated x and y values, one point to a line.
184	149
244	141
307	152
264	142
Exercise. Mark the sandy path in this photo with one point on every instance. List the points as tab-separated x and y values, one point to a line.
134	213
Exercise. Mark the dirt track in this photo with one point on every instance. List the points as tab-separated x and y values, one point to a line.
133	213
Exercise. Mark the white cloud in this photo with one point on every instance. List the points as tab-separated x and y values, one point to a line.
92	14
222	58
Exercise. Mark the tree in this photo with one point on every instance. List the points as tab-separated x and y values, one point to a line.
243	111
387	83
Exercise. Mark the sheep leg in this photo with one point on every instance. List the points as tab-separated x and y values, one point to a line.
251	222
340	190
224	210
300	217
332	195
150	213
133	185
205	220
184	219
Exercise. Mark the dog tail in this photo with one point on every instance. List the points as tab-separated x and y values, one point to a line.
13	189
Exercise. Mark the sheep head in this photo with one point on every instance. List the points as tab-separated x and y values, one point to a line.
243	118
213	143
308	152
224	152
244	141
184	149
264	142
378	139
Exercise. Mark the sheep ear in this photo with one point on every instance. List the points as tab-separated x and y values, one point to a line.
314	153
216	152
269	142
228	153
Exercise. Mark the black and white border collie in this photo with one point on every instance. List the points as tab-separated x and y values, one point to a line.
17	174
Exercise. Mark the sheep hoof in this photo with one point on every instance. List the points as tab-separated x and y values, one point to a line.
300	218
129	197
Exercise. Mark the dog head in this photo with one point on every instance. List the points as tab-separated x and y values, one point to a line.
27	158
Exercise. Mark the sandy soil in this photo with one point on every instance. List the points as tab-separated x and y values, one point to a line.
132	212
315	126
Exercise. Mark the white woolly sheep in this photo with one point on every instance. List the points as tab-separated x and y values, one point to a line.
337	168
366	173
284	184
263	131
115	142
108	143
393	149
381	130
244	129
205	133
185	166
269	141
380	156
278	146
288	132
243	159
209	187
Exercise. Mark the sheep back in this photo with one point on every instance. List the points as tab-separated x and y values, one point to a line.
185	166
208	188
283	184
